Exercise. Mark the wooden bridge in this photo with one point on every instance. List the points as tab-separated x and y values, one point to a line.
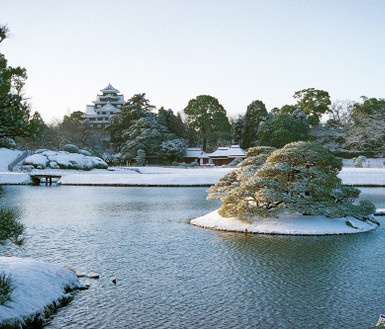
37	179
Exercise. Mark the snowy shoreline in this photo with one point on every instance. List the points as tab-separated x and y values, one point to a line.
173	177
287	224
30	303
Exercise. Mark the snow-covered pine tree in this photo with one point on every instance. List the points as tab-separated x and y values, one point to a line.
300	178
140	158
230	187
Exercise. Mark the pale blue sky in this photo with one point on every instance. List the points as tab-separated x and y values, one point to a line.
174	50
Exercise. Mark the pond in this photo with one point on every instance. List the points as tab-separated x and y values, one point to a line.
173	275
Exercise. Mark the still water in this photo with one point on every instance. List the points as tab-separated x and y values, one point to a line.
173	275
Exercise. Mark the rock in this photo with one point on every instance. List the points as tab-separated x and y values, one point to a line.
27	168
71	148
53	165
113	280
85	287
349	223
36	160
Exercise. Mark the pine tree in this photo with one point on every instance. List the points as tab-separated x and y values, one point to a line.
14	110
299	178
231	187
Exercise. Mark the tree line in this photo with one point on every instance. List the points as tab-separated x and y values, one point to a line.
345	127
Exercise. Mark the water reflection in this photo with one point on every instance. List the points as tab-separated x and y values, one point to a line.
173	275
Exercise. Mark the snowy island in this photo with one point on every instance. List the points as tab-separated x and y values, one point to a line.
294	191
289	224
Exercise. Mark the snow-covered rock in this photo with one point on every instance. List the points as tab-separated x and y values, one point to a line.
287	224
65	160
36	160
38	285
7	156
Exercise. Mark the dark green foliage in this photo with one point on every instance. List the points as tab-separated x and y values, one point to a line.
314	103
232	188
6	288
174	149
287	109
301	177
256	113
207	116
14	110
173	122
237	129
135	108
281	130
369	107
140	158
71	148
10	228
145	134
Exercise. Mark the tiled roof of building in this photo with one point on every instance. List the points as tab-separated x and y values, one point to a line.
233	151
195	152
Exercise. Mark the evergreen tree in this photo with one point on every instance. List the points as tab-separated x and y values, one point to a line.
314	103
144	134
135	108
283	129
237	129
174	149
207	116
14	110
256	113
231	187
299	178
174	123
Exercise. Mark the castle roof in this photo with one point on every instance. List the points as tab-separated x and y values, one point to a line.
108	107
109	89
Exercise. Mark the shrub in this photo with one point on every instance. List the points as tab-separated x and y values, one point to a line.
7	142
71	148
84	152
234	162
194	164
6	288
10	228
359	162
140	158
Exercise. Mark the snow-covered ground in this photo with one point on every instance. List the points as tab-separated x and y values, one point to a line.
37	285
290	224
170	176
369	163
149	176
7	156
363	176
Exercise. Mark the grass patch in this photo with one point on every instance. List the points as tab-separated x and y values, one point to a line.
6	288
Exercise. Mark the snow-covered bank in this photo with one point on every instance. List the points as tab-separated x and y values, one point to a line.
14	178
153	176
363	176
288	224
38	287
169	176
